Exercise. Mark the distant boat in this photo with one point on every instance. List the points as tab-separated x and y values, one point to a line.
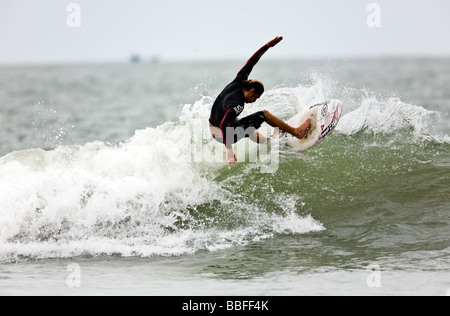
135	59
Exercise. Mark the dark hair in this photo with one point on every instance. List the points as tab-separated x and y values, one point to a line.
253	84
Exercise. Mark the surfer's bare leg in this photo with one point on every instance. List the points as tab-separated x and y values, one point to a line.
298	132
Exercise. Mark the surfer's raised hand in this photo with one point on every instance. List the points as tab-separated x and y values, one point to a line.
275	41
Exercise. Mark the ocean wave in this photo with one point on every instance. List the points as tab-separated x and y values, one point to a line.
167	190
392	116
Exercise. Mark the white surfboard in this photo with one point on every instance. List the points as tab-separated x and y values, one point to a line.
324	118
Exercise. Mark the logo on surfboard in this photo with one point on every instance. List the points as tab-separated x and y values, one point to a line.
324	110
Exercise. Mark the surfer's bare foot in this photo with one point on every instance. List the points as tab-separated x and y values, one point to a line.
300	132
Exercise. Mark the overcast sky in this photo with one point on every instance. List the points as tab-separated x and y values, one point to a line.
36	31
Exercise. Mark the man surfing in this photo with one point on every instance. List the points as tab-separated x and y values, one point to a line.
224	124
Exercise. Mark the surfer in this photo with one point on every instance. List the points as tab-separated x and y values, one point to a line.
224	124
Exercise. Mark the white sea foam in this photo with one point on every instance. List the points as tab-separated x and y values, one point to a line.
389	116
363	111
134	198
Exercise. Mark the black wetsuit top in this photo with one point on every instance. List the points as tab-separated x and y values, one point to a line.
230	102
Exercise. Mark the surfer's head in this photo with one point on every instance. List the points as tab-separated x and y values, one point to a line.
253	89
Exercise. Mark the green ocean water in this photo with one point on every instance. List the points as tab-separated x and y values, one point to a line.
109	169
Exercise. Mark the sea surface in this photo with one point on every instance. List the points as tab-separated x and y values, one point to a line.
110	183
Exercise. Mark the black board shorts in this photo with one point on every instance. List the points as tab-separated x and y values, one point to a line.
246	126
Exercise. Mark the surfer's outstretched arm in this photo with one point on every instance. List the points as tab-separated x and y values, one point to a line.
244	73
